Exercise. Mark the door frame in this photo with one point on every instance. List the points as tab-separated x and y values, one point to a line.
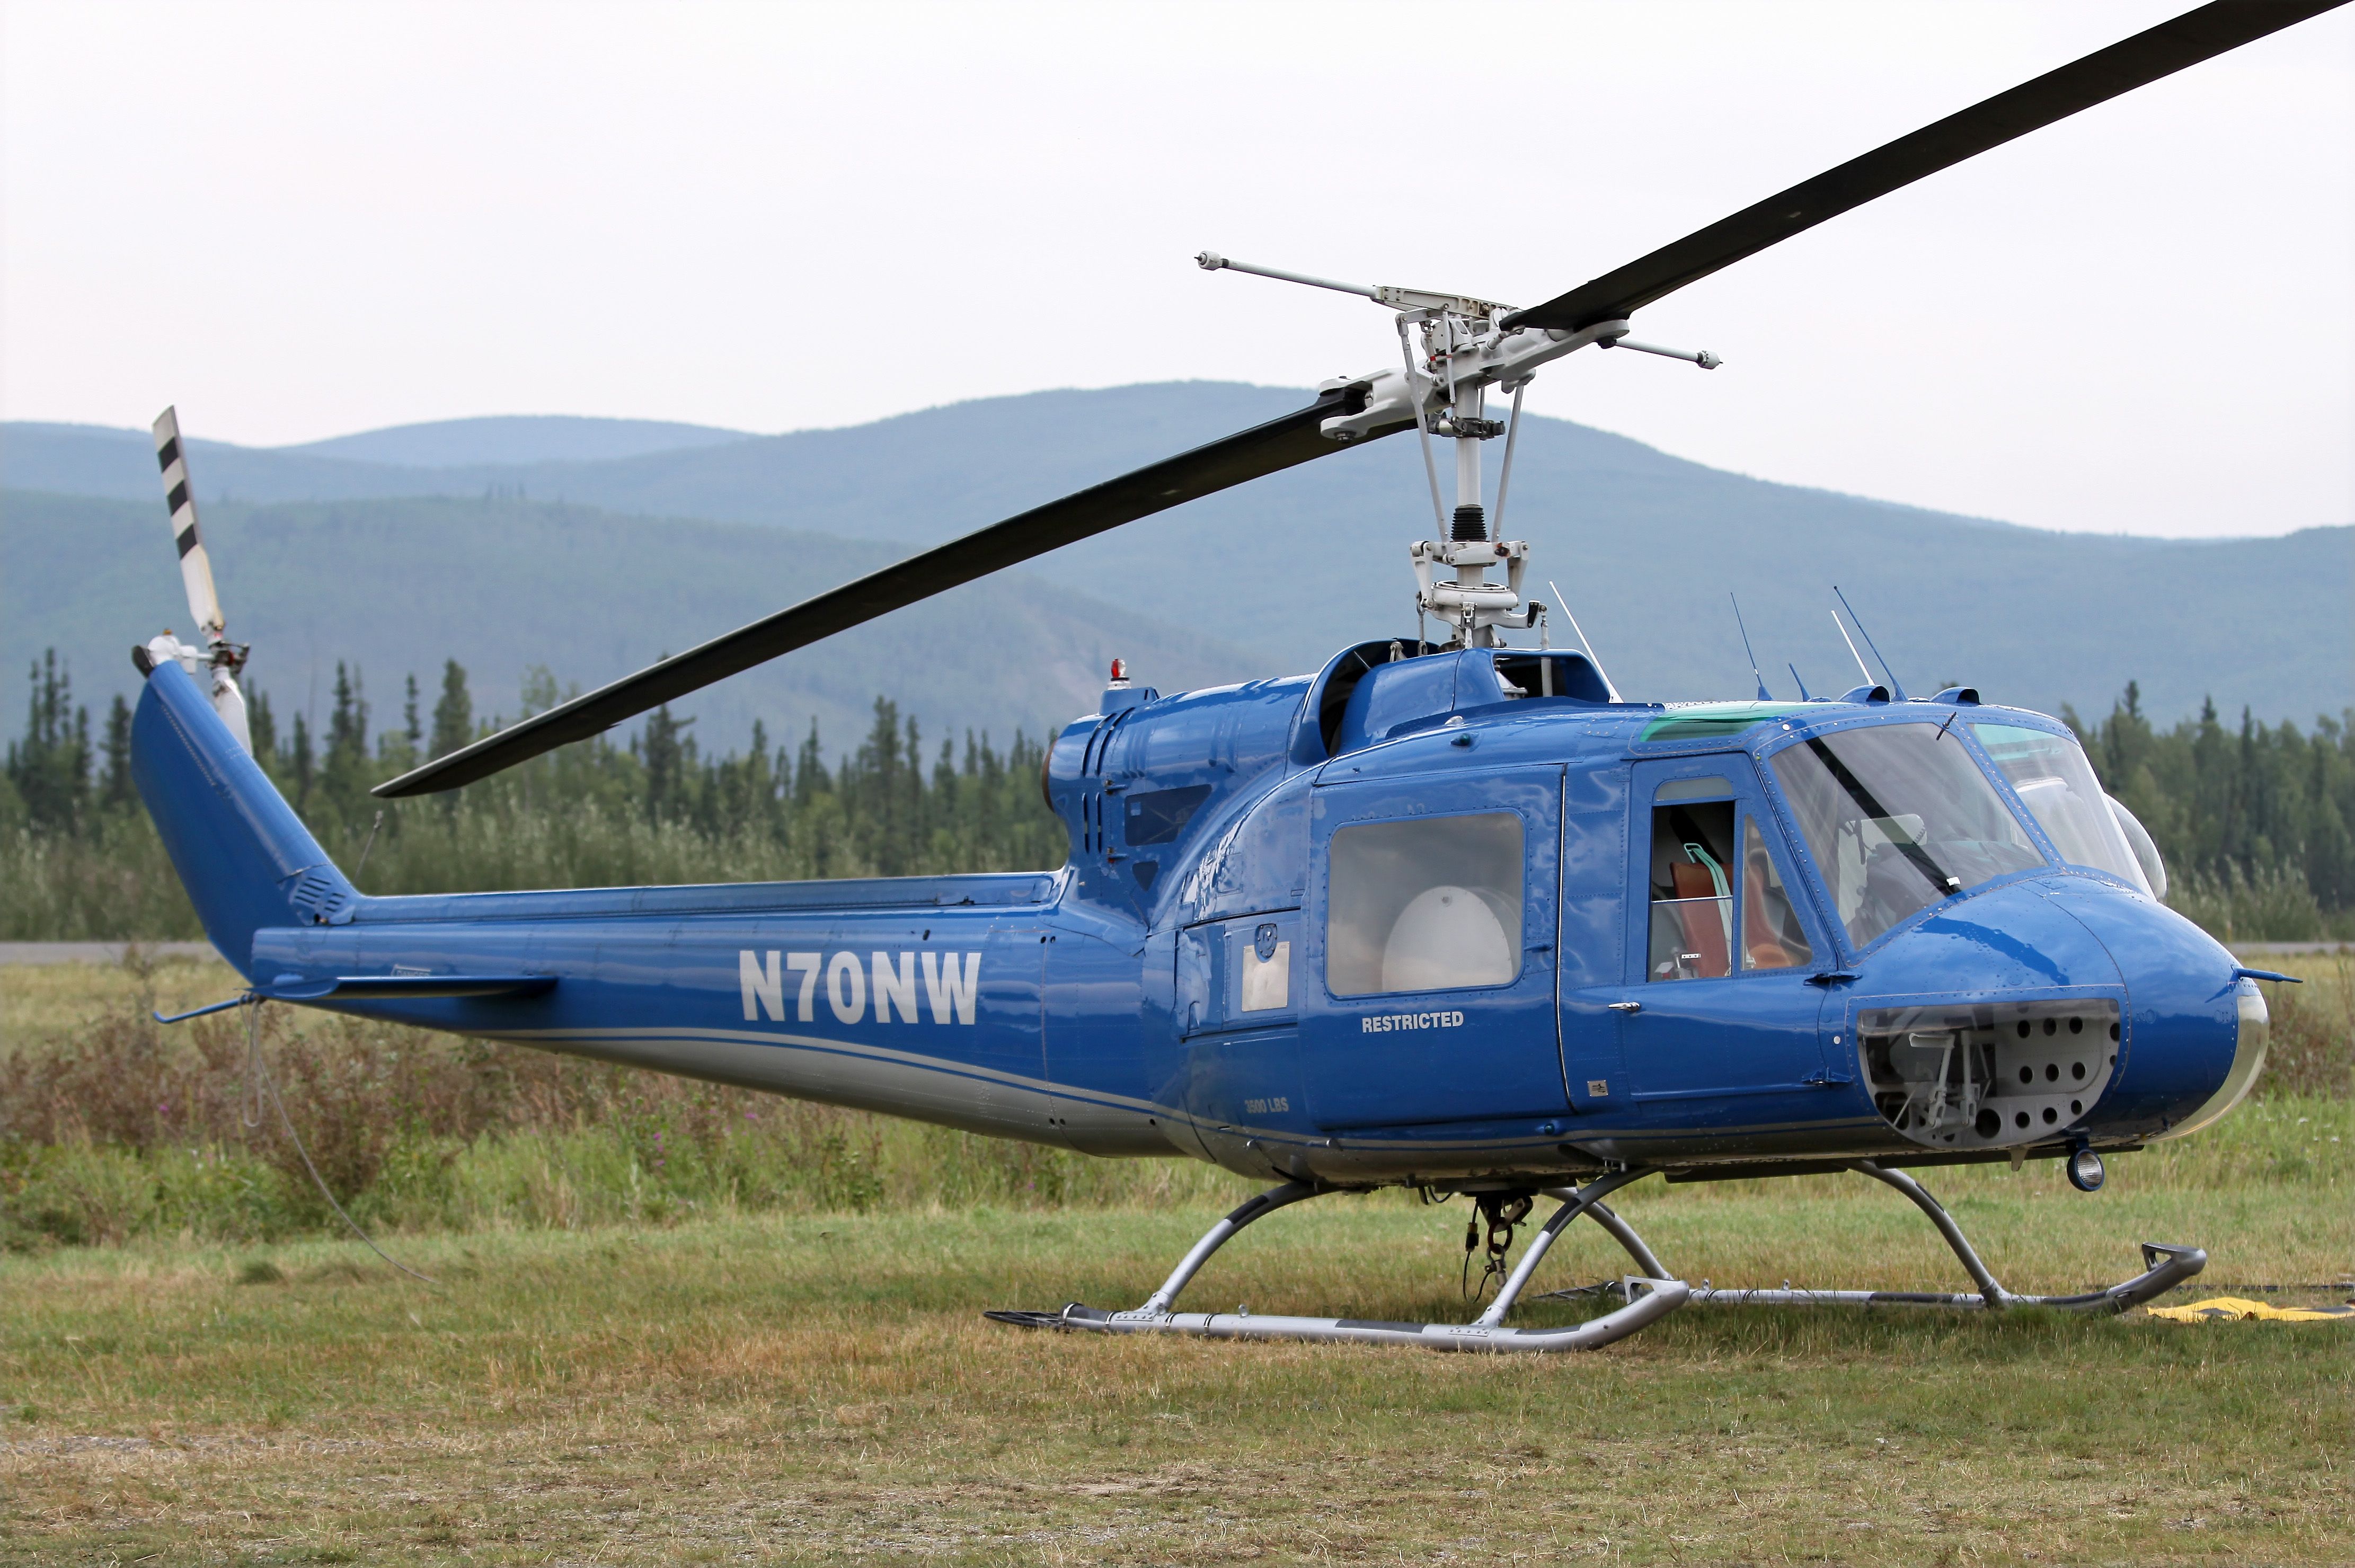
1321	1010
1752	801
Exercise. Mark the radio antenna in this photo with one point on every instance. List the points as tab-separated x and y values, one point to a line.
1803	684
1763	695
1859	658
1896	686
1590	657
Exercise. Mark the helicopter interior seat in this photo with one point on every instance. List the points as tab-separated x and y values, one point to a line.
1760	947
1704	914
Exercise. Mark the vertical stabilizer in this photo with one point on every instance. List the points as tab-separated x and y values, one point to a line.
245	858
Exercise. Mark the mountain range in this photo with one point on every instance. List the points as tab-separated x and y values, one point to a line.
588	546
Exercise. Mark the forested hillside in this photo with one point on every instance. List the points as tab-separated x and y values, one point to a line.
391	587
80	859
2253	819
1644	545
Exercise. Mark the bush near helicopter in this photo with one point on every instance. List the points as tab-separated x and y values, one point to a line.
1447	914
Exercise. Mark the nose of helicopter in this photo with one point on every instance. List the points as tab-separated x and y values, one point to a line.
2196	1031
2190	1035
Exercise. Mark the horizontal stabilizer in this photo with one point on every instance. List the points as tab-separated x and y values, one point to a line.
401	987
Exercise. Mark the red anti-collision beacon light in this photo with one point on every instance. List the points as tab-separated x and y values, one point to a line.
1120	672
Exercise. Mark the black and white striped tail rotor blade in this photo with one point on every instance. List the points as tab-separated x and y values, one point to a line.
196	566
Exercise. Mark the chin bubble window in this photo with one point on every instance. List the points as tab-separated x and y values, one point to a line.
1428	904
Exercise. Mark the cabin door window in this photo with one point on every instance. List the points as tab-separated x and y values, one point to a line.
1429	904
1719	903
1720	1004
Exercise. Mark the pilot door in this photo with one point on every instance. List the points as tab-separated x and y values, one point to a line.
1429	989
1720	946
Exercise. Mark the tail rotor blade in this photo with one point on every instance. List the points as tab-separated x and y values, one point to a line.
196	566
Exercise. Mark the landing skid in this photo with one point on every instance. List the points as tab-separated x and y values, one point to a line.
2164	1268
1648	1296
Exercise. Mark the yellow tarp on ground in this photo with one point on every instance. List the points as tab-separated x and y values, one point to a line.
2230	1308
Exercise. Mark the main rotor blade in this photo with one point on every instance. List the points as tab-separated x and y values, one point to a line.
2135	62
1264	449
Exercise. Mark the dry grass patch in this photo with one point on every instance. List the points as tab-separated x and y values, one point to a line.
765	1374
789	1389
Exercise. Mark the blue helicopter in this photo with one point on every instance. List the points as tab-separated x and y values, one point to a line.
1448	913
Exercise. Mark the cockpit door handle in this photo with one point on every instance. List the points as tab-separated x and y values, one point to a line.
1626	1006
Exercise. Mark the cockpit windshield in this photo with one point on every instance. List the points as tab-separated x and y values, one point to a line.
2056	783
1899	816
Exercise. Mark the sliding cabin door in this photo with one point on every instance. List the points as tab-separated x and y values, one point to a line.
1428	995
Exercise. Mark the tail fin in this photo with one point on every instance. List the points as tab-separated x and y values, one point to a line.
245	858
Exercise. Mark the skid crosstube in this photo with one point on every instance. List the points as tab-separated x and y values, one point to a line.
1646	1296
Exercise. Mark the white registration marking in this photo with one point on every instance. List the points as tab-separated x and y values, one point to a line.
952	984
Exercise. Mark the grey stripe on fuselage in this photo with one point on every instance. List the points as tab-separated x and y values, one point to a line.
877	1078
1003	1105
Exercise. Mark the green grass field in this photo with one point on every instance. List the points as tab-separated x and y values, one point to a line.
731	1381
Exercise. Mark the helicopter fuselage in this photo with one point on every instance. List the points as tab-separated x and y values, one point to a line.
1438	918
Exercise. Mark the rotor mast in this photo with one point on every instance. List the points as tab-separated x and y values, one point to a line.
1455	347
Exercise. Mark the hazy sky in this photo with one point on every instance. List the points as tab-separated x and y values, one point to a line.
301	220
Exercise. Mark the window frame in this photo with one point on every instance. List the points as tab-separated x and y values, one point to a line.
1652	903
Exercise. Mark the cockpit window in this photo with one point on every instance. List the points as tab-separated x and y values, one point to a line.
1772	936
1712	913
2056	783
1898	817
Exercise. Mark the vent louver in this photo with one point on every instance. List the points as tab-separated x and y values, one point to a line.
324	897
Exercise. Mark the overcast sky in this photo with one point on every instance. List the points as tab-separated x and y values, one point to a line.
300	221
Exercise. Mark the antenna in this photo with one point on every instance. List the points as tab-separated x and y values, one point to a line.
1763	695
1803	684
1590	657
1896	686
1859	658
